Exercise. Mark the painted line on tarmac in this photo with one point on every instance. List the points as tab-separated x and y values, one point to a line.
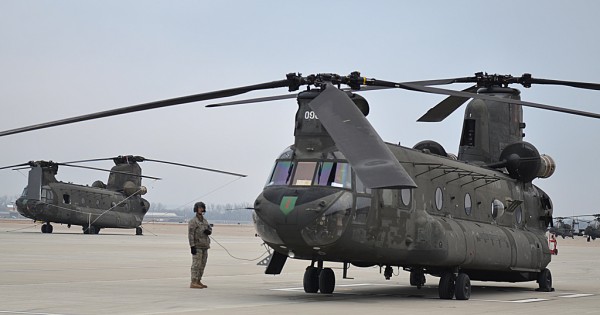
27	313
568	296
527	300
513	301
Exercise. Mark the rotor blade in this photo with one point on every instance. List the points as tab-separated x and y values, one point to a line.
354	136
16	165
90	160
446	107
111	171
197	167
362	89
152	105
581	85
493	98
254	100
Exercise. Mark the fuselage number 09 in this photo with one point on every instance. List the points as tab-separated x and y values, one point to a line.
309	114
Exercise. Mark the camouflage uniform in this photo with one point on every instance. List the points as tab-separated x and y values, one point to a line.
201	241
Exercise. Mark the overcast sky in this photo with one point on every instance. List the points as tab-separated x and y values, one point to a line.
65	58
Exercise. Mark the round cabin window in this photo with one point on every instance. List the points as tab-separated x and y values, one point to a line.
439	198
405	196
468	205
497	208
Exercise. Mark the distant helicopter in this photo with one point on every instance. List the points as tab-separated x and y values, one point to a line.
341	194
592	230
116	204
563	229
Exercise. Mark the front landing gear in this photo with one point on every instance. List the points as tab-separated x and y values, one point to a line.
319	279
311	280
91	229
47	228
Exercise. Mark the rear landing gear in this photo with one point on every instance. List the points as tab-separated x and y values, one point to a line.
47	228
462	287
454	286
138	230
446	286
545	281
417	278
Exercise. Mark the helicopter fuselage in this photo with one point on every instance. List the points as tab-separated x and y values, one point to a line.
73	204
461	216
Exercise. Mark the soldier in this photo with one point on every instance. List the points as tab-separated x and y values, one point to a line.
198	232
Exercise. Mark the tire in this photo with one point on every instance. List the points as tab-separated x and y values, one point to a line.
446	286
326	281
311	280
49	229
417	278
545	280
44	228
463	287
90	230
138	231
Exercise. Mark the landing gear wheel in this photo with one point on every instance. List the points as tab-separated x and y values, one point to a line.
545	281
91	230
327	281
47	228
311	280
463	287
417	278
138	230
446	286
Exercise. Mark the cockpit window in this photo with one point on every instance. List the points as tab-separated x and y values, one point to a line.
307	173
282	173
333	174
304	173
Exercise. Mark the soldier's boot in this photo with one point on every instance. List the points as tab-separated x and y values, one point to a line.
202	284
196	285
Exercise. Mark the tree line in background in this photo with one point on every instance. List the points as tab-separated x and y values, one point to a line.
7	200
227	213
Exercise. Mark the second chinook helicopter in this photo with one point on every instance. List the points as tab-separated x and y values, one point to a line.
118	203
340	194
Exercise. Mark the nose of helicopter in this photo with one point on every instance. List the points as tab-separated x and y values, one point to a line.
300	217
27	207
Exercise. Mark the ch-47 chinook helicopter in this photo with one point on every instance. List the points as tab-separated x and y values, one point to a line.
340	194
116	204
562	228
592	230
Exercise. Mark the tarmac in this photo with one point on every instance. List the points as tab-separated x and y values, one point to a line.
117	272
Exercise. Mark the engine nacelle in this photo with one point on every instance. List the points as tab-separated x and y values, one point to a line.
524	163
547	166
430	146
132	189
